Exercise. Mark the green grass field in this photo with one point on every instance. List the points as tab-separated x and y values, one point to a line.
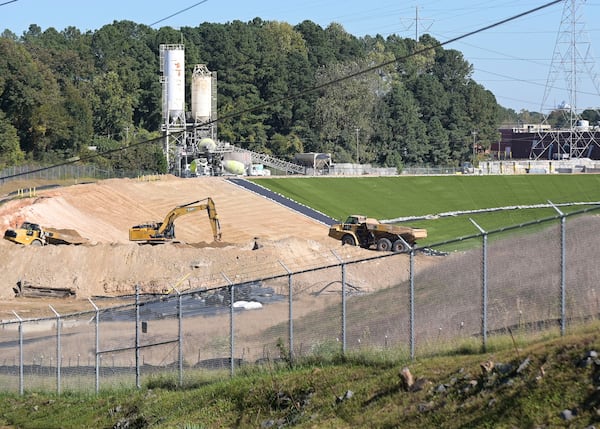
393	197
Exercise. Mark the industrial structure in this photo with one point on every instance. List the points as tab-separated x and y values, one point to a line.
191	144
572	60
184	131
542	142
172	68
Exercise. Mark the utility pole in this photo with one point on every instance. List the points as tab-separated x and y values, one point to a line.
357	158
416	23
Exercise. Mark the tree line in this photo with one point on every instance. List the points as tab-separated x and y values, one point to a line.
62	92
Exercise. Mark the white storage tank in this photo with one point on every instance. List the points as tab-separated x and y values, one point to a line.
201	93
174	73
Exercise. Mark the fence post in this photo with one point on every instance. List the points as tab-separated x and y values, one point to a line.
484	287
290	315
563	274
58	349
137	337
97	342
412	303
21	380
180	335
343	302
231	325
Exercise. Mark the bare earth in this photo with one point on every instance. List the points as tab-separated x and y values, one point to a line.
110	265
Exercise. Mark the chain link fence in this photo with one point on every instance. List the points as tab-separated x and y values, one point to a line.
64	172
523	280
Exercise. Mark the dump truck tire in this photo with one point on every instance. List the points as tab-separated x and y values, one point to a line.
349	240
384	244
399	246
36	243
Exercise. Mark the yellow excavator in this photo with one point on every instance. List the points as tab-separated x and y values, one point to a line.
161	232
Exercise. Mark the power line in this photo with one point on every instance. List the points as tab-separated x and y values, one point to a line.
7	2
307	91
378	66
176	13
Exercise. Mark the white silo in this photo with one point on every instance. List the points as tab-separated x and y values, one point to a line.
201	93
173	67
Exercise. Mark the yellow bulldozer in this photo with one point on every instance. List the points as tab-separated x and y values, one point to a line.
32	234
161	232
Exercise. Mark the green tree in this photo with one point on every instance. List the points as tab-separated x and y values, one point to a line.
131	51
431	96
591	115
345	106
408	135
451	69
320	50
285	146
63	124
112	106
282	56
439	143
80	122
10	151
30	98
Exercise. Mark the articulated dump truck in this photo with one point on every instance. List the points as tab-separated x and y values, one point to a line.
367	232
32	234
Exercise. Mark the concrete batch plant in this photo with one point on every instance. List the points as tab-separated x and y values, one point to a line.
191	146
188	135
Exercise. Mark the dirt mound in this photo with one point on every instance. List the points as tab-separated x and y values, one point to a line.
103	212
111	265
66	232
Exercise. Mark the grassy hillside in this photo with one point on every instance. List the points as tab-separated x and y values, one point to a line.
393	197
548	384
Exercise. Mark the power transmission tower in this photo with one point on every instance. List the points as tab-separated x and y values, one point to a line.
572	60
416	20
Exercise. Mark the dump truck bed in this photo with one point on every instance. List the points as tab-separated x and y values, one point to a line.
64	236
417	233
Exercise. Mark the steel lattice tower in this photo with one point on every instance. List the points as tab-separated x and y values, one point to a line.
572	61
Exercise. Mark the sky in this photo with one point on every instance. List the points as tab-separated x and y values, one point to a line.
536	62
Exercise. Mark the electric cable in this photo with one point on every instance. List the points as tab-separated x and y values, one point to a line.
300	93
176	13
376	67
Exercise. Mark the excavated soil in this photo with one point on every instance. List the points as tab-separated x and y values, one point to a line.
109	265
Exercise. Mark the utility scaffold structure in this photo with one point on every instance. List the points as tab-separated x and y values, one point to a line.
572	59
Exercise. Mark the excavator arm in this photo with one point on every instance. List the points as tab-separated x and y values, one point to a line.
165	230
